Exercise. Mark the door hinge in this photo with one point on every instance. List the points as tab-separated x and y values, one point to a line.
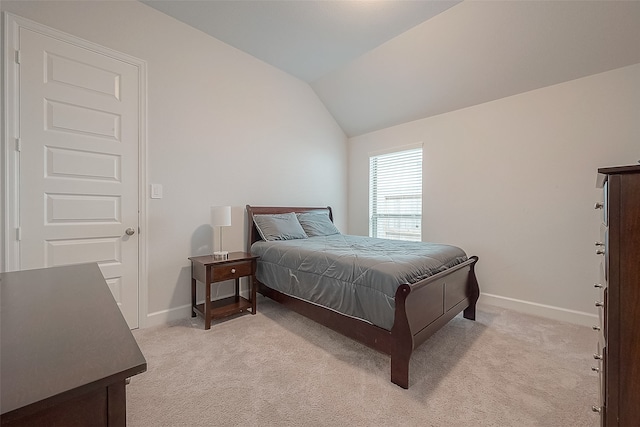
18	233
18	57
18	144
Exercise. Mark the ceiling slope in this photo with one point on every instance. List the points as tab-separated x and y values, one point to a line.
477	52
305	38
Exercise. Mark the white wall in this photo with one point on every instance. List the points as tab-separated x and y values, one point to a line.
513	181
223	128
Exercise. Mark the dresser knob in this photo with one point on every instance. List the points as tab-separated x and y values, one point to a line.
598	285
600	251
599	304
597	409
599	205
233	271
599	244
594	369
597	356
595	328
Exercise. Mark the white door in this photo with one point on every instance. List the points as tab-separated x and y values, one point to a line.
78	168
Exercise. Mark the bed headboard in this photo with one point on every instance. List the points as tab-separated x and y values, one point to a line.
254	236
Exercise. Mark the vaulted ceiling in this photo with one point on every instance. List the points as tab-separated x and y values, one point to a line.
380	63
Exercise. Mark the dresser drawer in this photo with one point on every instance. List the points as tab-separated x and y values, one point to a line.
605	208
602	280
232	271
602	248
602	371
602	313
602	206
600	325
603	234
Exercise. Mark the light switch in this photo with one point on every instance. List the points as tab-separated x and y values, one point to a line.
156	191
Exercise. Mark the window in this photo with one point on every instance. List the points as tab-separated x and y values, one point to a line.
395	195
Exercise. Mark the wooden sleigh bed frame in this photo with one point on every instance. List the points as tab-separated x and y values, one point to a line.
421	308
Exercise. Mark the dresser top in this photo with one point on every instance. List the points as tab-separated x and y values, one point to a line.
61	331
619	169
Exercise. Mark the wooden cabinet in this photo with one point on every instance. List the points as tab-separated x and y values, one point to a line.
618	348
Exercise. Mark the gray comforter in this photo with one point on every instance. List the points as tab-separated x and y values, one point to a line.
354	275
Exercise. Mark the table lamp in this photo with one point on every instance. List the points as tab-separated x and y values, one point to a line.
220	217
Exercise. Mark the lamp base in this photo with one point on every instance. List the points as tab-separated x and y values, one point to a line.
221	255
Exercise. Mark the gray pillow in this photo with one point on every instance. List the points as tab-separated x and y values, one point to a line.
279	227
317	223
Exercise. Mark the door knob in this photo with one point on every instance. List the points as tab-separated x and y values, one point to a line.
130	231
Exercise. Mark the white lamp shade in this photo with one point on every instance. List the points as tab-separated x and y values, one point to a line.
221	216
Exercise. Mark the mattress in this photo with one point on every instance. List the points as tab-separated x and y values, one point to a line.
354	275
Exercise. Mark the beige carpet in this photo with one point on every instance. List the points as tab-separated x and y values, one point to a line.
278	368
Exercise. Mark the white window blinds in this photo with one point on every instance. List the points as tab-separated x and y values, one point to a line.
395	195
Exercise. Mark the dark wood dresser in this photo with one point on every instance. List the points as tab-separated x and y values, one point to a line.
618	350
66	352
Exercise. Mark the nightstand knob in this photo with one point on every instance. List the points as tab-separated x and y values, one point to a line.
595	328
233	271
600	252
599	205
594	369
599	244
599	304
597	409
597	356
598	285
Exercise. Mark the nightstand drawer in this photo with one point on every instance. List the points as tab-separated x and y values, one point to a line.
232	271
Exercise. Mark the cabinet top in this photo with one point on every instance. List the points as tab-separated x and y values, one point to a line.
61	331
603	173
619	169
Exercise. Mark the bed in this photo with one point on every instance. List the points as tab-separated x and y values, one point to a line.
391	300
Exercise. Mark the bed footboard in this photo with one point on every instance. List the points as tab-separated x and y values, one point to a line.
424	307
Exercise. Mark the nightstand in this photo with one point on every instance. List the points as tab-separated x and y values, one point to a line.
207	270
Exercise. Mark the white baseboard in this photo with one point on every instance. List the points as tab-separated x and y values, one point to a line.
550	312
167	316
172	314
542	310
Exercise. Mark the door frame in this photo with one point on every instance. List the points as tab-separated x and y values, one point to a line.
10	190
